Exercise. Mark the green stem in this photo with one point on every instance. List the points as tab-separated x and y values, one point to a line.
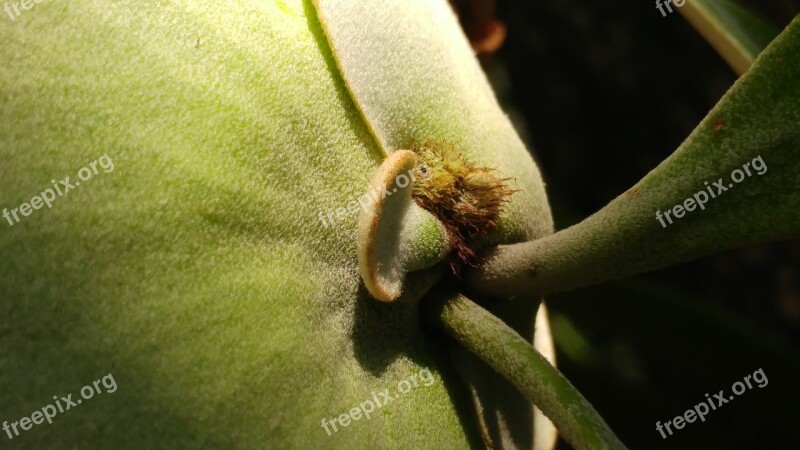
693	204
516	360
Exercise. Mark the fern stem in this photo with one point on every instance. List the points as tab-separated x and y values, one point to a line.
516	360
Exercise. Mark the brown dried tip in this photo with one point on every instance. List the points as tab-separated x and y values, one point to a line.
466	199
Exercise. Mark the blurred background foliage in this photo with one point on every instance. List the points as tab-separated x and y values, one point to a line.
602	92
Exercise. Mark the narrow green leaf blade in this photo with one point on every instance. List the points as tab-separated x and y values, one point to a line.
735	33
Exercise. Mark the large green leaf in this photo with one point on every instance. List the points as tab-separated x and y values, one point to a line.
410	78
204	271
748	144
411	82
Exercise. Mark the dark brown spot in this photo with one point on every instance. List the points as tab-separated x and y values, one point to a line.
719	125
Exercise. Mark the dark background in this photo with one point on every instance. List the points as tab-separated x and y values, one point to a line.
603	92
